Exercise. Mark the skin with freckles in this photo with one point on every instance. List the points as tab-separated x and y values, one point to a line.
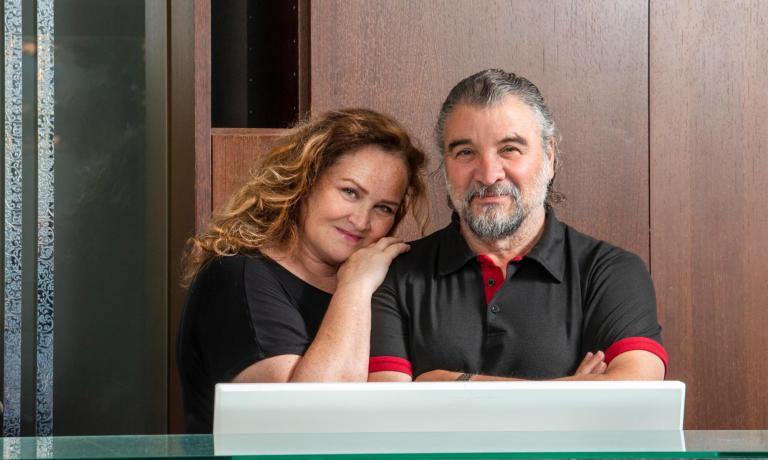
343	249
352	205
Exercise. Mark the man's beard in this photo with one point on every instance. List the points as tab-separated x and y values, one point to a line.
493	222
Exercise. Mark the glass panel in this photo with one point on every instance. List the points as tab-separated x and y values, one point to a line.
45	220
108	357
12	267
574	444
111	328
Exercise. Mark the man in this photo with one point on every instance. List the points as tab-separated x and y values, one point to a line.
507	291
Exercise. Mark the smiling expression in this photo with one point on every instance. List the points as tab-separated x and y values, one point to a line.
352	204
496	168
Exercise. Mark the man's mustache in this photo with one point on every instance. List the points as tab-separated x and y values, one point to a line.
496	189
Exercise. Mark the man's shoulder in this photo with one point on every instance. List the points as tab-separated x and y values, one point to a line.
423	253
597	253
429	242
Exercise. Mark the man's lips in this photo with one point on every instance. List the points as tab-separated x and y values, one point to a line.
490	198
349	236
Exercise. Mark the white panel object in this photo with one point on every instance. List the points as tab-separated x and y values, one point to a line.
448	407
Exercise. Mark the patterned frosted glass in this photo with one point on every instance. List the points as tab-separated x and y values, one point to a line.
45	219
13	216
85	180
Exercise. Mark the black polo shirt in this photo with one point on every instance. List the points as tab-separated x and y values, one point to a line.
444	307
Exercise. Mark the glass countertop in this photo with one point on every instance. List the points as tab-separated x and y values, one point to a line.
433	445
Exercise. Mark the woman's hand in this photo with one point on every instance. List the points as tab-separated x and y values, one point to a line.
367	267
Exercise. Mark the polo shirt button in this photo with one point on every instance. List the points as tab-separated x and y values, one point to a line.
495	309
491	282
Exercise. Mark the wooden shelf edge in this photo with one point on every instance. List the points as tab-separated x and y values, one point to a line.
248	131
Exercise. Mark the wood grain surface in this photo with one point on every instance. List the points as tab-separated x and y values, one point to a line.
588	58
235	154
189	165
661	105
709	215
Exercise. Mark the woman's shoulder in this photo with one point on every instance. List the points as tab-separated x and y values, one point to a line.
227	270
233	265
259	278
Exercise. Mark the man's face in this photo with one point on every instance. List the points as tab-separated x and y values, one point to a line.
496	169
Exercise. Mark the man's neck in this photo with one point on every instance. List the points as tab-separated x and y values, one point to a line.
517	245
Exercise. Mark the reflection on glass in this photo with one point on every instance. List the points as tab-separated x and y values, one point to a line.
110	372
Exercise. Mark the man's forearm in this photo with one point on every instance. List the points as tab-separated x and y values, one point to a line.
631	365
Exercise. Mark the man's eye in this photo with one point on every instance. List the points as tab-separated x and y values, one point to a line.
462	153
510	149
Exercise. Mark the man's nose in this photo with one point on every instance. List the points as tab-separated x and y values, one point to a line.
489	169
361	218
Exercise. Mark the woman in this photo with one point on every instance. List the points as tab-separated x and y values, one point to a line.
280	284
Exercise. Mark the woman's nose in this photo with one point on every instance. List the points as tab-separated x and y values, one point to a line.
361	218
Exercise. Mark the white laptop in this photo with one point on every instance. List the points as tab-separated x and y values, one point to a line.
448	407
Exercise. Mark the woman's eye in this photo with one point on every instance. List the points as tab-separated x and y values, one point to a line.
349	192
386	209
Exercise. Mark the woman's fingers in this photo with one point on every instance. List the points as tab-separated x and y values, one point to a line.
386	241
396	249
369	265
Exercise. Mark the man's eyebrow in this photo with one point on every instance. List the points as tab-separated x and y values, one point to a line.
457	143
515	138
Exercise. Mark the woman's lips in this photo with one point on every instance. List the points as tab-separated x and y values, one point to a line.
349	236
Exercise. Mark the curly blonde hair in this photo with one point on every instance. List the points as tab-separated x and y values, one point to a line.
265	211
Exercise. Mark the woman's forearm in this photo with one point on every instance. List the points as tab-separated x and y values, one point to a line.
341	347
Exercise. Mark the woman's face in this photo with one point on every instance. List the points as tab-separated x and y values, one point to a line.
352	204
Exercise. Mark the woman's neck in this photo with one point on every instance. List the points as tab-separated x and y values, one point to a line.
306	267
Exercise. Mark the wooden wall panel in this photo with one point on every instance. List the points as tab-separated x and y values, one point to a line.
709	215
588	58
235	154
189	166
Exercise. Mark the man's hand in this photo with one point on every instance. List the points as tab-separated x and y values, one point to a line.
593	363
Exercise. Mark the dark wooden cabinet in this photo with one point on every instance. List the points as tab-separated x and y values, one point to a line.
661	106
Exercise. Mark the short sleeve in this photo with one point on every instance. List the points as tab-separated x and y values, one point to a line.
389	326
237	313
279	327
620	303
240	315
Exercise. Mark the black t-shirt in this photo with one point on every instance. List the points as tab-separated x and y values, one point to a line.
240	309
444	307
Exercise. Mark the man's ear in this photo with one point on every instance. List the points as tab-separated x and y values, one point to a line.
552	157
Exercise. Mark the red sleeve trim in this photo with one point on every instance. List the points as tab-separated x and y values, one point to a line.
636	343
390	363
